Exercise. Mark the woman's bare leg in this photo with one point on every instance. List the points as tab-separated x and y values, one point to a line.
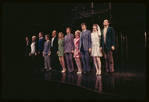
63	63
95	63
99	65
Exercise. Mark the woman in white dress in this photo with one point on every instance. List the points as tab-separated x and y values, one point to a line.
96	52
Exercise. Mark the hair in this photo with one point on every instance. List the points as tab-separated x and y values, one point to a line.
34	37
95	25
78	31
83	24
61	35
69	28
55	31
48	36
107	20
41	33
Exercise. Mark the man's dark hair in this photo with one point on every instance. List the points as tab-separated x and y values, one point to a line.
41	33
48	36
69	28
83	24
107	20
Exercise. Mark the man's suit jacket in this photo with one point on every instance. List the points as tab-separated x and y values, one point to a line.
27	48
110	38
85	40
36	47
68	43
54	49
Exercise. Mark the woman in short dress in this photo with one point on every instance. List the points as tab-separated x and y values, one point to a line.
96	52
60	51
77	54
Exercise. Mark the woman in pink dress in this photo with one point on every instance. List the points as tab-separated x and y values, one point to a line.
77	54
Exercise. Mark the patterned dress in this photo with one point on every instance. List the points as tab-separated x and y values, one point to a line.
95	38
61	47
76	44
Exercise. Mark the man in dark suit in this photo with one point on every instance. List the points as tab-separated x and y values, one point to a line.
40	50
85	47
27	51
107	45
54	49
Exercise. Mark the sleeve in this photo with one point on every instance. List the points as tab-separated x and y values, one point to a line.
101	39
49	47
36	45
112	37
89	39
72	42
64	43
56	44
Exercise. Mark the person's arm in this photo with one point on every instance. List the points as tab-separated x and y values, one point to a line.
80	42
49	50
89	39
64	43
36	48
72	43
112	37
101	39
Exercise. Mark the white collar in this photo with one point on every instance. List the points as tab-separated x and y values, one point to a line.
41	38
84	30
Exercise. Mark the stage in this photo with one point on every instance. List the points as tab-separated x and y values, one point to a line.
38	84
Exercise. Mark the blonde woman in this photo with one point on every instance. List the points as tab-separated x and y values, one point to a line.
60	51
96	52
77	54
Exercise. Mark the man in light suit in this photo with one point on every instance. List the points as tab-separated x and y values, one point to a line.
85	47
107	45
68	49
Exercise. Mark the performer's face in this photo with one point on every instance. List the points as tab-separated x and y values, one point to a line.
54	33
76	34
67	30
83	27
105	22
40	35
26	38
46	38
33	39
94	28
59	35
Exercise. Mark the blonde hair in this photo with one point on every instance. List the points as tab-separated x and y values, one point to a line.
34	37
62	35
78	32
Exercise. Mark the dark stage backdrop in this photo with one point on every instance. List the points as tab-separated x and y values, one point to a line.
28	19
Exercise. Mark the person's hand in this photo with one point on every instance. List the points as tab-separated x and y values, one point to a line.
43	55
90	50
38	52
112	47
57	52
29	54
64	52
35	54
72	51
49	54
100	48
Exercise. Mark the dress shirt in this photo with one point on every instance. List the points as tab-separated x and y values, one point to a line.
33	48
104	32
52	41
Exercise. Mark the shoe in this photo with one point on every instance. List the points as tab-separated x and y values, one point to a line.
85	73
49	69
79	72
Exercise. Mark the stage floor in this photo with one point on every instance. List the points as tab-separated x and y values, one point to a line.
122	84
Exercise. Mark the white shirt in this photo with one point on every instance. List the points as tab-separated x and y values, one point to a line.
104	32
41	38
33	51
52	41
84	30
